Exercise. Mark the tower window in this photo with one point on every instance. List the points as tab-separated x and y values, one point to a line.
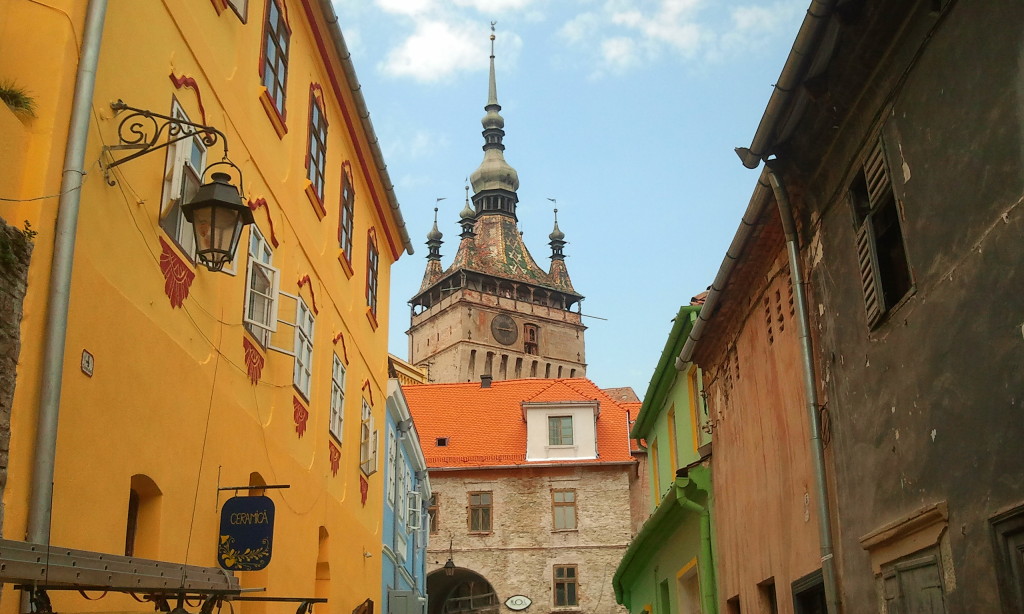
531	335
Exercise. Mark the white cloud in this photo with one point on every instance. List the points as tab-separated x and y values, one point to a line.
625	34
619	53
409	8
436	50
493	7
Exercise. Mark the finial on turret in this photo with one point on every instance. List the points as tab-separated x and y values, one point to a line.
557	238
467	216
434	238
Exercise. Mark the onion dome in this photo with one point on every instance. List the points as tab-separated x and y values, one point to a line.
494	173
434	241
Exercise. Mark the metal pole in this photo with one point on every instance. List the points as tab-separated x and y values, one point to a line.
54	335
828	563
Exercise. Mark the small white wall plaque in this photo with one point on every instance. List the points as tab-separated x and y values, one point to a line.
518	602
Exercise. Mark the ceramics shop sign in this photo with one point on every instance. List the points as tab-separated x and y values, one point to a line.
246	533
518	602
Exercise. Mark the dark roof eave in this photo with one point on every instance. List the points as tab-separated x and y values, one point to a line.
801	58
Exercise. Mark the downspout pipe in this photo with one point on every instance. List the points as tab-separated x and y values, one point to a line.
828	565
707	581
59	296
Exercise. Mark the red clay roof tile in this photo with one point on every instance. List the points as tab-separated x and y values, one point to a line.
484	427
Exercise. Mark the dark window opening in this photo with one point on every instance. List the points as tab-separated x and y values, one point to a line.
881	253
809	594
442	442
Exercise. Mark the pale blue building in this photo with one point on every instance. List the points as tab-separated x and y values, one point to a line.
406	493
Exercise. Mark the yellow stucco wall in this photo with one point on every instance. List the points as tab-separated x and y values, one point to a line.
170	397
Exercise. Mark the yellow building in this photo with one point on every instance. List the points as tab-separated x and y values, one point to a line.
174	381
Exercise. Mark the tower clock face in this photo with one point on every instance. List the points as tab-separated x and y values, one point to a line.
504	329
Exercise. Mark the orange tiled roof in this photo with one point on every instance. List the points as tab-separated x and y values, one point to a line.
484	427
633	409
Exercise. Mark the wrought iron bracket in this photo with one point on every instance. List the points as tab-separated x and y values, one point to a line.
142	132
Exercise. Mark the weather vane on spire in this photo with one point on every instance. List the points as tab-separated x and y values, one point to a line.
493	23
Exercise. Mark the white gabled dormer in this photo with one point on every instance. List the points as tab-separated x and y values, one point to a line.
561	430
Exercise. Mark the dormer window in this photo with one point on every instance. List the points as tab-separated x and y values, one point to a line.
560	430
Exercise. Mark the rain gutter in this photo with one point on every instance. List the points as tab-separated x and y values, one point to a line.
327	8
59	294
758	201
828	564
801	57
661	381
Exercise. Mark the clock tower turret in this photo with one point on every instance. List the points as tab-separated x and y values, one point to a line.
494	311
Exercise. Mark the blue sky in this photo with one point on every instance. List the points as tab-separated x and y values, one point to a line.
624	111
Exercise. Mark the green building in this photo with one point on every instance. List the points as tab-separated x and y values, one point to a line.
669	566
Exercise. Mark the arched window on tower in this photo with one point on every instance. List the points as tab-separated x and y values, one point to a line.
531	339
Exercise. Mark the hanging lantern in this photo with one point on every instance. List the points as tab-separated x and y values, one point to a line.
217	216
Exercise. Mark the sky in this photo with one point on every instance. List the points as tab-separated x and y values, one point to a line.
625	112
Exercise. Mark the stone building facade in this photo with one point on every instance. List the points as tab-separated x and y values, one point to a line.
494	311
524	519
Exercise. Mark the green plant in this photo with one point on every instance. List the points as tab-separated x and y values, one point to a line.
15	246
17	98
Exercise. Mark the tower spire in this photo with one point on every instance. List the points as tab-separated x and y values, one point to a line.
467	216
557	238
494	182
434	239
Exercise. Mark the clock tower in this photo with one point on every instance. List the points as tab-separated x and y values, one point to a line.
494	311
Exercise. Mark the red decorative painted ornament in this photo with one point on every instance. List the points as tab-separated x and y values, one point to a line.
335	458
253	361
300	415
364	487
178	276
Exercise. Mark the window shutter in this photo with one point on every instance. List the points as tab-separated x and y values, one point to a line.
876	175
415	501
866	257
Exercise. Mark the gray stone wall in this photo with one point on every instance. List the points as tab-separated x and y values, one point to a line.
518	556
15	253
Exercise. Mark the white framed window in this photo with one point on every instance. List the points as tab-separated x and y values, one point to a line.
261	289
392	470
303	371
415	519
560	431
183	174
403	488
337	397
367	441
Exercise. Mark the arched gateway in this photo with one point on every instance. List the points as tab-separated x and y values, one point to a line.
464	592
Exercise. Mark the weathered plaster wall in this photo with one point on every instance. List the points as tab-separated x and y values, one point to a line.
926	407
15	253
765	521
517	557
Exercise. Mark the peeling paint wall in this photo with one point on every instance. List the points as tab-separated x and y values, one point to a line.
926	406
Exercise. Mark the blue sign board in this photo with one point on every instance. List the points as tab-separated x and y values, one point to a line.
246	533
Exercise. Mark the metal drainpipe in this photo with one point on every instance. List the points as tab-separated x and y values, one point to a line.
828	564
54	335
707	596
